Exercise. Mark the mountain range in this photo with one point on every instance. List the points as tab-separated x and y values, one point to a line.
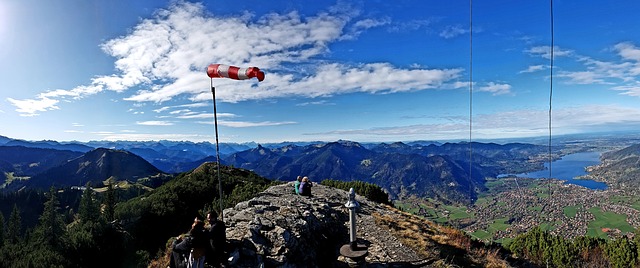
422	169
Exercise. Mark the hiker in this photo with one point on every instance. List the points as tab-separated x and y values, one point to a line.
216	234
194	244
305	187
296	184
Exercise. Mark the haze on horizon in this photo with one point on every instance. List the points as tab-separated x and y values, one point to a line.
367	71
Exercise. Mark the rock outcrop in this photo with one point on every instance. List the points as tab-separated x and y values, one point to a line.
278	228
281	229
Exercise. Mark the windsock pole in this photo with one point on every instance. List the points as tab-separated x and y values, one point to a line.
215	122
231	72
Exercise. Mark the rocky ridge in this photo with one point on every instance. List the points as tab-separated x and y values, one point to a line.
278	228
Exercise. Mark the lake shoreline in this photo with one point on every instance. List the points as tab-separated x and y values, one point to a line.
571	168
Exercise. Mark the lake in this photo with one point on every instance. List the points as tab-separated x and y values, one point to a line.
569	167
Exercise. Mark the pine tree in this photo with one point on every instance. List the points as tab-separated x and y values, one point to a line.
14	225
89	210
1	229
51	229
110	200
47	244
621	252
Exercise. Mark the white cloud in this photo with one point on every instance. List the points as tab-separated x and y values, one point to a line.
161	109
205	116
102	132
545	52
511	124
165	57
154	123
321	102
623	74
628	51
359	26
412	25
534	68
180	111
370	23
150	137
496	89
453	31
31	107
629	90
583	77
241	124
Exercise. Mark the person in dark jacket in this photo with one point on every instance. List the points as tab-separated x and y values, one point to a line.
194	245
216	233
305	187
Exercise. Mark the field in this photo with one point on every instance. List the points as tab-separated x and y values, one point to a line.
606	219
571	211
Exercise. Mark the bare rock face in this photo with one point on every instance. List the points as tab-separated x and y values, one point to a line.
281	229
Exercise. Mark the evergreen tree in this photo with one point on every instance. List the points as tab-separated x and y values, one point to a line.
621	253
14	225
51	229
48	241
2	234
89	210
110	200
371	191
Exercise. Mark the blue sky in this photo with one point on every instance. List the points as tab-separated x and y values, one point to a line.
355	70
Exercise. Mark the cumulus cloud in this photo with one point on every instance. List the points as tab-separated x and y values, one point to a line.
628	51
32	107
165	56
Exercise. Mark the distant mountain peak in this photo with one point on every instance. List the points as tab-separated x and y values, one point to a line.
95	167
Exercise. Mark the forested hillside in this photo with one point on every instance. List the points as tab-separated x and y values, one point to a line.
620	168
71	228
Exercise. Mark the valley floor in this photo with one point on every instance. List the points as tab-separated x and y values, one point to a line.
510	208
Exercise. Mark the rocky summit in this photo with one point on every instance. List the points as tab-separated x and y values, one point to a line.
278	228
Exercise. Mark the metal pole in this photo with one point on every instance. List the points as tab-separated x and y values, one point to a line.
352	204
352	250
215	120
352	228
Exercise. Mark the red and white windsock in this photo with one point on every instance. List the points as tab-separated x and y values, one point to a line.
233	72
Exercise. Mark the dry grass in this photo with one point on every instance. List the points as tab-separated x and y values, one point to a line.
411	230
163	260
439	243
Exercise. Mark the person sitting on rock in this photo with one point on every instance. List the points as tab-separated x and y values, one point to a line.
296	184
216	233
305	187
194	244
